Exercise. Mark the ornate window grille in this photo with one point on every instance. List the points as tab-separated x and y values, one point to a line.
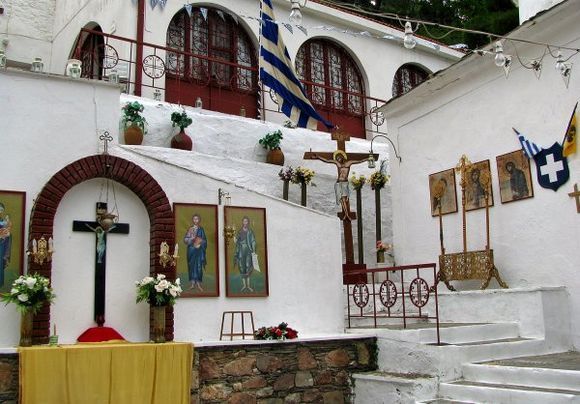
211	39
323	62
407	77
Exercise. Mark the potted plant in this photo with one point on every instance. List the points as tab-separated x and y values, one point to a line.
181	140
280	332
29	293
271	142
159	293
134	125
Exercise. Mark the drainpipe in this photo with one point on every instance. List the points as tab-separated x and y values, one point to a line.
139	50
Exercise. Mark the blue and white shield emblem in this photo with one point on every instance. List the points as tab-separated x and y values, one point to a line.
552	167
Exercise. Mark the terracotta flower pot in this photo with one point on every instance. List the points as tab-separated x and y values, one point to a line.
275	156
133	135
181	141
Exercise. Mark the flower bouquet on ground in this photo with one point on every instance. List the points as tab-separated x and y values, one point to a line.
158	291
29	292
281	332
303	175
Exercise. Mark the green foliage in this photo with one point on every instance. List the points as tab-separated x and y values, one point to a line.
180	119
132	115
271	140
494	16
29	292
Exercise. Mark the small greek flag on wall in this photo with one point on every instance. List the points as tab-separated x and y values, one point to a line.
530	148
277	72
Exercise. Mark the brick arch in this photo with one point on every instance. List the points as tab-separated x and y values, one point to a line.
125	172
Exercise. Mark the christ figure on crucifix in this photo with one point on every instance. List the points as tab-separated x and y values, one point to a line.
341	188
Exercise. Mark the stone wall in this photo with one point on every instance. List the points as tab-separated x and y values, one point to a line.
281	372
269	373
8	378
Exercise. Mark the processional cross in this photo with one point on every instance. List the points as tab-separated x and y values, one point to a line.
101	227
343	161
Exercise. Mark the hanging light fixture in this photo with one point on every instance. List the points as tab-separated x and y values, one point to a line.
371	159
295	13
105	218
499	58
409	41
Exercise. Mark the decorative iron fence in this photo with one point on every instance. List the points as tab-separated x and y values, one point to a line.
182	77
403	293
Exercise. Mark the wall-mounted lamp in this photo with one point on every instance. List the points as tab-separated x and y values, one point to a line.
198	102
295	13
229	233
409	40
221	195
113	76
165	257
371	160
37	65
157	94
42	250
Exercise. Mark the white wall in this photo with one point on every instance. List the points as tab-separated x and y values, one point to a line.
529	8
68	117
27	25
537	240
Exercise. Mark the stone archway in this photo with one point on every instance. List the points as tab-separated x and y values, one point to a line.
125	172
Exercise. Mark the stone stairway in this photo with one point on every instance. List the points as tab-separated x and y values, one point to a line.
412	368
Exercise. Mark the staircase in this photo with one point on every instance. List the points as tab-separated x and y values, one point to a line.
481	334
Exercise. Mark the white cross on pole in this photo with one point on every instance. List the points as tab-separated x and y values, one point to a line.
551	168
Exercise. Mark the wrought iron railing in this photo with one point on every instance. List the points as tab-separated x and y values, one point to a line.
403	293
106	56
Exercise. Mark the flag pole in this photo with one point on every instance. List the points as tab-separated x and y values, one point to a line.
261	100
569	123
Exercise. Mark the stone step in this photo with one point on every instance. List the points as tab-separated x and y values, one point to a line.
505	393
446	361
387	388
547	378
450	333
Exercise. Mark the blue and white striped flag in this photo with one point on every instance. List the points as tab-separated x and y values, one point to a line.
530	148
277	72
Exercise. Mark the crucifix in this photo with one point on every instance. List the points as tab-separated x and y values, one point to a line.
576	196
343	162
101	227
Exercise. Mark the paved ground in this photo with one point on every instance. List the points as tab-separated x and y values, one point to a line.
566	361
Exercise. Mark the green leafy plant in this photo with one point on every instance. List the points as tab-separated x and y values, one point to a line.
132	115
180	119
271	141
29	292
158	291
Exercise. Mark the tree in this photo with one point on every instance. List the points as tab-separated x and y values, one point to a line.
493	16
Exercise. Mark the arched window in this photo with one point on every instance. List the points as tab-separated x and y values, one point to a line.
216	62
407	77
334	84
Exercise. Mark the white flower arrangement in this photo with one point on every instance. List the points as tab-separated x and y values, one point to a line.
29	292
158	291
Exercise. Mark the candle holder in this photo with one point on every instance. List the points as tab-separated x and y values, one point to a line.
37	65
165	258
42	250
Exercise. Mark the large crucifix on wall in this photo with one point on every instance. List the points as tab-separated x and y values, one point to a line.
101	227
343	162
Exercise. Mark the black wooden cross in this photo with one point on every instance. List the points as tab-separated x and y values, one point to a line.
100	254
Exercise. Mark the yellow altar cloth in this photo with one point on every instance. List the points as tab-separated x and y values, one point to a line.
122	373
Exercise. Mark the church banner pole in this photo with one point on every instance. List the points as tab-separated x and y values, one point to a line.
359	227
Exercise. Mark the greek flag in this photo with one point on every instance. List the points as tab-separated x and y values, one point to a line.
530	148
276	72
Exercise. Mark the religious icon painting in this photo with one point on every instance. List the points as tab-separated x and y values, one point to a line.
196	235
515	176
442	192
478	186
11	237
246	252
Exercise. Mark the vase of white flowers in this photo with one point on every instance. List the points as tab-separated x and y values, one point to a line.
159	293
29	293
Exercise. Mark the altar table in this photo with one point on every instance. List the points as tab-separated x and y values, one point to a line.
104	373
